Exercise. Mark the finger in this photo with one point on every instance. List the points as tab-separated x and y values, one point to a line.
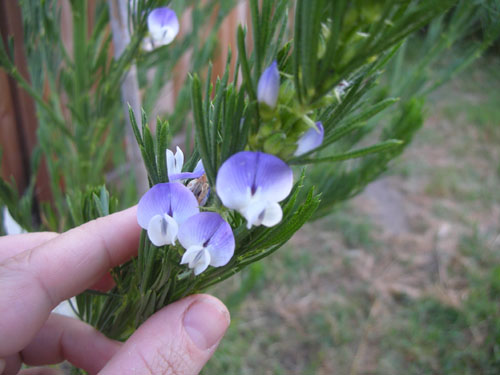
15	244
35	281
11	364
63	338
3	363
41	371
178	339
105	283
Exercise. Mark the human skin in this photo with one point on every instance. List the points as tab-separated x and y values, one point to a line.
40	270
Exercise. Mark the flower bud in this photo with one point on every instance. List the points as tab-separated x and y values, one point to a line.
269	86
310	140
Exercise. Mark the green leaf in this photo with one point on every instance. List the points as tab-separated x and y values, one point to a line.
135	128
162	141
380	147
200	125
245	67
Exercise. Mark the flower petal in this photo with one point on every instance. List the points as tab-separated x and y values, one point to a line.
203	264
208	229
163	25
169	198
235	179
171	169
184	205
253	212
199	167
272	215
162	230
197	258
274	177
174	162
244	173
311	139
179	159
269	86
190	254
221	246
185	175
262	213
11	226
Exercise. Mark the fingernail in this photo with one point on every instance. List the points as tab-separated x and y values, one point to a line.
206	321
2	366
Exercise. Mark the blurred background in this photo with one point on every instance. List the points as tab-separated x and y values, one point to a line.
404	278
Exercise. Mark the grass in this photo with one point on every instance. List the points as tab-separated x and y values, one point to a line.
356	231
427	336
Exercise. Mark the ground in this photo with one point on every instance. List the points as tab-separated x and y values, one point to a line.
405	278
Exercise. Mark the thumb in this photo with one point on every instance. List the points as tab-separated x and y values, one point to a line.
179	339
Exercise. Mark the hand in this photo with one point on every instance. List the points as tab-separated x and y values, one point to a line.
39	270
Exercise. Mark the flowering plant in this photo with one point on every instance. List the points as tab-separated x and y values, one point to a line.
268	138
242	193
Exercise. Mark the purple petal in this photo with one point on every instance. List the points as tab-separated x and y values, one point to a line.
208	229
199	167
235	177
274	177
247	173
173	199
185	175
163	25
197	173
311	139
269	86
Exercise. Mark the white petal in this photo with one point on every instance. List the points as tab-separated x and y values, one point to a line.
260	212
202	263
179	159
190	254
147	44
272	215
162	230
170	162
197	258
254	212
64	308
175	162
10	225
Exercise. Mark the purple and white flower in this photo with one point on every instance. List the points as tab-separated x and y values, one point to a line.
269	86
163	26
175	164
208	240
253	183
163	209
310	140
